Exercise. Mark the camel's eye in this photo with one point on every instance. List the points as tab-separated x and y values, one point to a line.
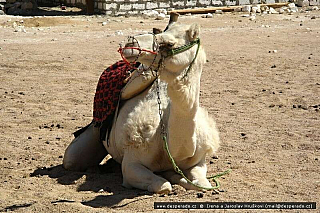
170	45
166	45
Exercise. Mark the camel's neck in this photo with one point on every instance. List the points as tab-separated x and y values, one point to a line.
184	96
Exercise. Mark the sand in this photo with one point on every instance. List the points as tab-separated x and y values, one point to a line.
266	104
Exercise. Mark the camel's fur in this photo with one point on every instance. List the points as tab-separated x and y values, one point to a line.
191	133
136	140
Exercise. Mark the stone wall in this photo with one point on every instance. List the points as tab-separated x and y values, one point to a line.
135	7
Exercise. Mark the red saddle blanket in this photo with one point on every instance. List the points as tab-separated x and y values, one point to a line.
107	97
108	91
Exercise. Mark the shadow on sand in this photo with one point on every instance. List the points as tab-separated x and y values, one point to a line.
49	11
106	178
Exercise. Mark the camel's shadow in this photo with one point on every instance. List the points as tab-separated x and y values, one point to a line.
106	178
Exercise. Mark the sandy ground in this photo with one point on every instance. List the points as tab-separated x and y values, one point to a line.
266	105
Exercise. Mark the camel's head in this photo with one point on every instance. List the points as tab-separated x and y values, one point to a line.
175	48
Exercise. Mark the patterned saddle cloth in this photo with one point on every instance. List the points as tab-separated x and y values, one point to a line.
107	96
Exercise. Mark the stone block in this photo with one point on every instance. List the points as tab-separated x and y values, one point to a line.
217	3
178	4
191	3
151	5
246	8
125	7
138	6
303	3
230	3
255	1
314	2
164	5
268	1
244	2
111	6
204	2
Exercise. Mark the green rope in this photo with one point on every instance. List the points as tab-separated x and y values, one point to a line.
175	167
183	48
179	171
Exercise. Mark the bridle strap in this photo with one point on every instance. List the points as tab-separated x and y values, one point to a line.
168	53
183	48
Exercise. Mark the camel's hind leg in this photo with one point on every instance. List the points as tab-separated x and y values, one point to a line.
138	176
84	151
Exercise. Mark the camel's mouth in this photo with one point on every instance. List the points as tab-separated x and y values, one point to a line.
131	54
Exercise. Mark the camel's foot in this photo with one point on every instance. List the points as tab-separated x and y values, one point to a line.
196	174
138	176
160	187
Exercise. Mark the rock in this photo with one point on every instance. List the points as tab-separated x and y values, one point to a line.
294	10
256	9
199	195
118	32
272	11
291	5
281	11
11	1
104	23
246	8
264	8
209	15
160	16
1	12
252	17
218	12
237	9
303	3
315	8
164	11
150	14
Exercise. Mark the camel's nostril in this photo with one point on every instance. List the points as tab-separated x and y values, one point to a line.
129	44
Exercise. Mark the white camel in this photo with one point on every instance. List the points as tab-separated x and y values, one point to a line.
136	136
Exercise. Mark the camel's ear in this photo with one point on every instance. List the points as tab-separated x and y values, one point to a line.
193	32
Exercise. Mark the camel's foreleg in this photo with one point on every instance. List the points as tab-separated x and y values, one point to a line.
138	176
84	151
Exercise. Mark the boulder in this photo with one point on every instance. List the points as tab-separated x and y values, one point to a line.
160	16
246	8
303	3
272	11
